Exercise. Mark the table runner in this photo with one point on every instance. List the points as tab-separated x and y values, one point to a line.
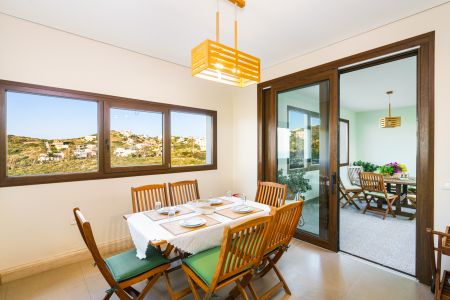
143	230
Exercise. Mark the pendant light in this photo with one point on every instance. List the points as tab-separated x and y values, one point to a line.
390	122
214	61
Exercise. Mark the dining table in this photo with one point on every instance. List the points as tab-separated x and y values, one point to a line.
401	190
149	228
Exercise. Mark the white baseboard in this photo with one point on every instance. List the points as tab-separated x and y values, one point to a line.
45	264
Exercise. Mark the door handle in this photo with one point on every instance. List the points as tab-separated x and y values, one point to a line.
333	182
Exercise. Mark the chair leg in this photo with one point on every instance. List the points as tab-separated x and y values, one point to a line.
242	290
149	285
281	278
108	295
193	288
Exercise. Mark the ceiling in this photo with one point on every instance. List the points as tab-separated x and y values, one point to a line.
275	31
365	89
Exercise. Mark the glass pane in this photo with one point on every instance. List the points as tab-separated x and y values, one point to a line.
191	138
50	135
136	138
343	142
302	156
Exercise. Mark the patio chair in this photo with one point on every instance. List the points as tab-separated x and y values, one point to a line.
182	192
239	254
271	193
349	193
353	174
374	189
441	287
123	270
144	197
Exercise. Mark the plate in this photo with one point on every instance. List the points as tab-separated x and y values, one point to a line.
215	201
165	210
242	209
193	222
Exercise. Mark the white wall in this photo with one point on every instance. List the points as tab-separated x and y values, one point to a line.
436	19
34	220
351	117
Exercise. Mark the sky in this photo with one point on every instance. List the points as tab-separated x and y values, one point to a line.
49	117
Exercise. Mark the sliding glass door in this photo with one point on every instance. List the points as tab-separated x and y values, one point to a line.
304	153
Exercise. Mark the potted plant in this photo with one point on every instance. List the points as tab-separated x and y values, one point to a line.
392	169
296	182
366	166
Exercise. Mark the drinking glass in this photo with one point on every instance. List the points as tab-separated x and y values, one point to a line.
229	195
171	212
244	199
157	205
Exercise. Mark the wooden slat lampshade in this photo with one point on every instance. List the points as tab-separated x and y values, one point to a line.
215	61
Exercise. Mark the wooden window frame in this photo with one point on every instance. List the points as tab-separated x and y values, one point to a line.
348	142
104	103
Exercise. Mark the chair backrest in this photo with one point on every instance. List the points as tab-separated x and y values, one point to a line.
284	224
372	182
183	191
242	247
86	233
144	197
344	176
271	193
353	174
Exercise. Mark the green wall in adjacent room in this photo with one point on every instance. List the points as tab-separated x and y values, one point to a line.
369	142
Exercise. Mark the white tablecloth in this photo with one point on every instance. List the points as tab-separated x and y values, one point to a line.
143	230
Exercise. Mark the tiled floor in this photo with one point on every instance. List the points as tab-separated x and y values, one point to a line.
311	272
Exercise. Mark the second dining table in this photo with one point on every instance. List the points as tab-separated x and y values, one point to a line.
151	228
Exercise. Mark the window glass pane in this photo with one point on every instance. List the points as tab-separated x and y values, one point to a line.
50	135
343	142
315	140
136	137
298	123
191	138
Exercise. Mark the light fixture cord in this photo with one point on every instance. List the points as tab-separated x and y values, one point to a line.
235	26
217	23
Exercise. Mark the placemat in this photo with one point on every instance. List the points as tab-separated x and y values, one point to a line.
175	228
229	213
155	216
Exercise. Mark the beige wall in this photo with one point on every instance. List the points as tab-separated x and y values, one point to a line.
35	220
436	19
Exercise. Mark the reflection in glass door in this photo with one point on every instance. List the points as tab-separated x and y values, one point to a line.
303	153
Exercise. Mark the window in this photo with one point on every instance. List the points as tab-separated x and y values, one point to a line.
55	135
135	138
304	138
50	135
344	142
191	137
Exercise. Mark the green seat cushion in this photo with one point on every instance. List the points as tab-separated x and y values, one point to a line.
378	194
204	264
126	265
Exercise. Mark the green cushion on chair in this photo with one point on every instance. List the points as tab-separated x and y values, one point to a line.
378	195
126	265
204	264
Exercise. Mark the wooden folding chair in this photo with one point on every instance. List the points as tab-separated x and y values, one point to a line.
239	254
284	224
353	174
441	287
144	197
123	270
374	188
271	193
349	194
183	191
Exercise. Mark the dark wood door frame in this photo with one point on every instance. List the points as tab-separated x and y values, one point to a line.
424	47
